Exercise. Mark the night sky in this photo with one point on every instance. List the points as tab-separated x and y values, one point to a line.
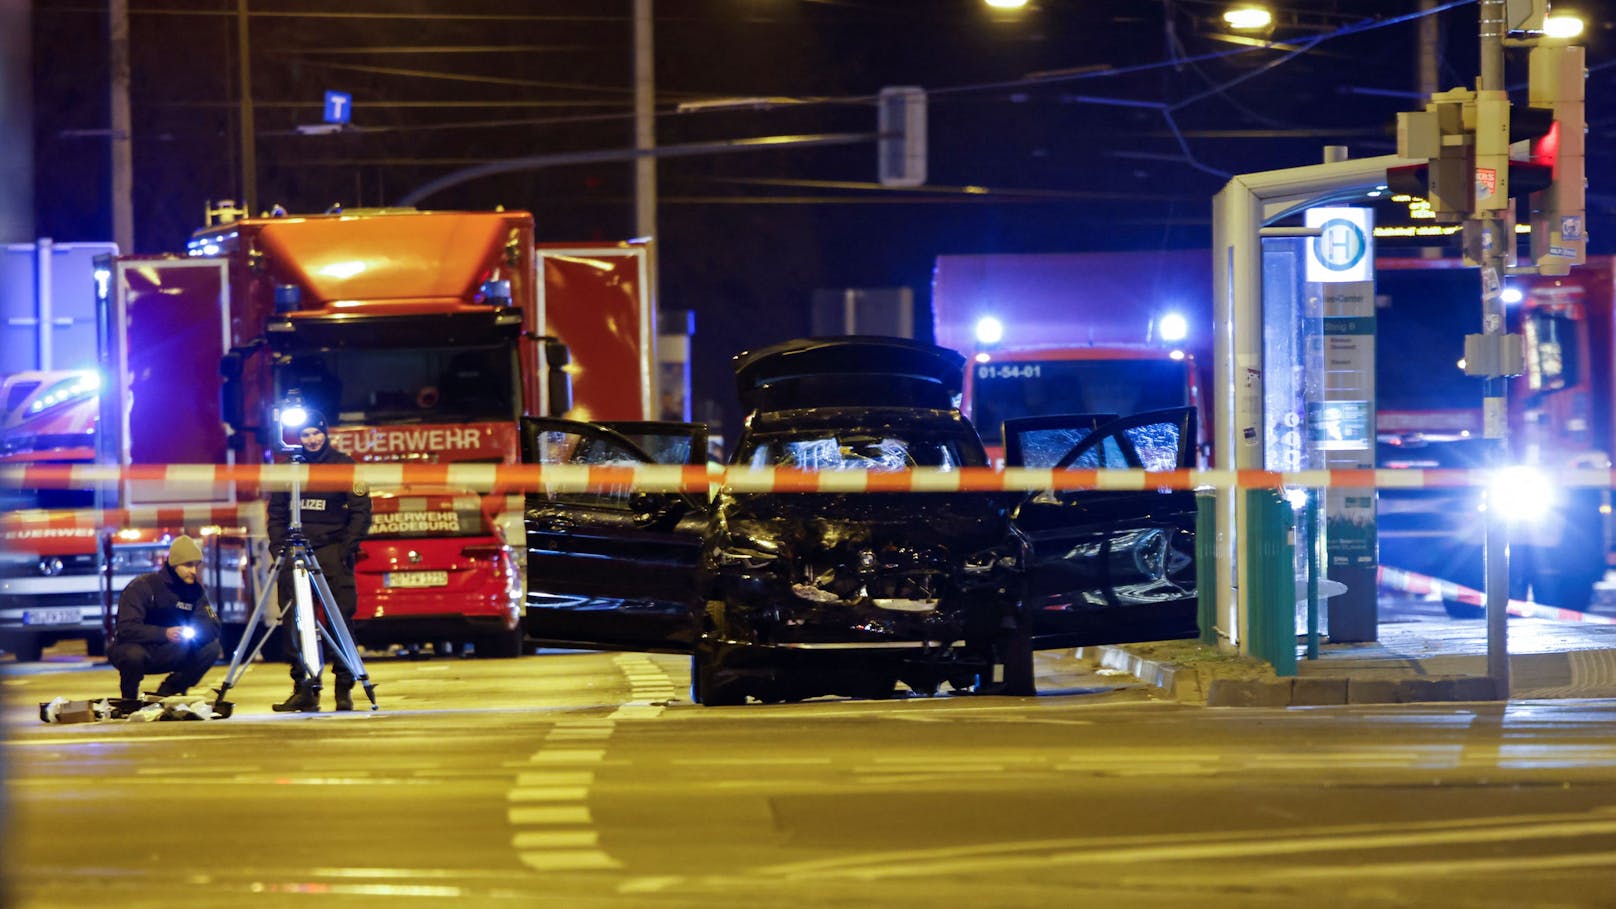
1091	124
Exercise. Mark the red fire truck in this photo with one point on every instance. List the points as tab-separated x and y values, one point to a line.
49	578
57	583
1063	333
421	336
1124	332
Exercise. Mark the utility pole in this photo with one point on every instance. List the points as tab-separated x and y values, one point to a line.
1430	44
249	154
1497	238
645	163
121	137
645	185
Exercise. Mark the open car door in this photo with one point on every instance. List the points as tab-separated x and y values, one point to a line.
1104	566
613	570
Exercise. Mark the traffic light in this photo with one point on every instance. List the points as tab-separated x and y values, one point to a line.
1559	208
901	140
1525	15
1445	135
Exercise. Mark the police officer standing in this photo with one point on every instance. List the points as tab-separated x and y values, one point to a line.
165	624
333	523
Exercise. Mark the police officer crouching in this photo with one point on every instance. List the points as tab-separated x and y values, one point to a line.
333	523
165	624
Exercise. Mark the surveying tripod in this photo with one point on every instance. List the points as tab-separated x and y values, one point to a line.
308	583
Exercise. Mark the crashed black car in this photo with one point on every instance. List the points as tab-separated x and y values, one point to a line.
784	595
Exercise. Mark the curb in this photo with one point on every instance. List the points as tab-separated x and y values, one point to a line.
1181	683
1324	691
1192	685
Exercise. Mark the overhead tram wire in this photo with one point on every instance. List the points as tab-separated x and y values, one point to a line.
1166	109
1031	80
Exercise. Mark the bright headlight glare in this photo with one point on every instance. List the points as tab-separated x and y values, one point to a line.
1173	327
1521	494
294	416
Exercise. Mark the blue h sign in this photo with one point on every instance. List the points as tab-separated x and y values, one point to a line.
338	107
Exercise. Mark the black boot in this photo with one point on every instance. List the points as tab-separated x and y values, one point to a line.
304	699
344	694
170	688
129	685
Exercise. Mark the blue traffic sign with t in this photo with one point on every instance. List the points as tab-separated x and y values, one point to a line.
338	107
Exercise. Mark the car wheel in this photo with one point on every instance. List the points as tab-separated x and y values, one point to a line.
711	685
924	686
1012	652
875	686
96	645
502	646
27	650
1019	680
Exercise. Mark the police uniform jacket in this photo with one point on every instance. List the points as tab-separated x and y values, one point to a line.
156	602
340	516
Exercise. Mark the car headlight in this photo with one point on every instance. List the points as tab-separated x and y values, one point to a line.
136	560
1521	494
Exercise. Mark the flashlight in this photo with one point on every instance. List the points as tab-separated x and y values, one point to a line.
187	633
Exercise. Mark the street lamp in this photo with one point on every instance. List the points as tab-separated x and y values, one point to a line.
1248	18
1006	4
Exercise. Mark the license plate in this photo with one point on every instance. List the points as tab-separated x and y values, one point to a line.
50	616
416	579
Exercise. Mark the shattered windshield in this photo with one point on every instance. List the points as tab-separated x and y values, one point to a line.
852	450
405	385
1156	444
1008	391
1045	447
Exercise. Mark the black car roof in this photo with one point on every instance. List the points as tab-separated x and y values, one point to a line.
863	371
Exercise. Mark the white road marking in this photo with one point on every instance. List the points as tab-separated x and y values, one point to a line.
548	806
556	839
1178	848
549	794
570	756
550	814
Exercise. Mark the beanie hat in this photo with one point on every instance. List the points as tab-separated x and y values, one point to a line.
316	420
184	549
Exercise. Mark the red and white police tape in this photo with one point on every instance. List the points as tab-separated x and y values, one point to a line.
552	478
247	514
250	515
1410	582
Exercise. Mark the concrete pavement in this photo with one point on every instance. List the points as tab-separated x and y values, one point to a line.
1421	658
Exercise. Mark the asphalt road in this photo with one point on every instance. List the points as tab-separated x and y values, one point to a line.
590	779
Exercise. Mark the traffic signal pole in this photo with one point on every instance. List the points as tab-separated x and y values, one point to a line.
1496	233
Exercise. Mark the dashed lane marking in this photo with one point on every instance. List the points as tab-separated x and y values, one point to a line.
548	803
